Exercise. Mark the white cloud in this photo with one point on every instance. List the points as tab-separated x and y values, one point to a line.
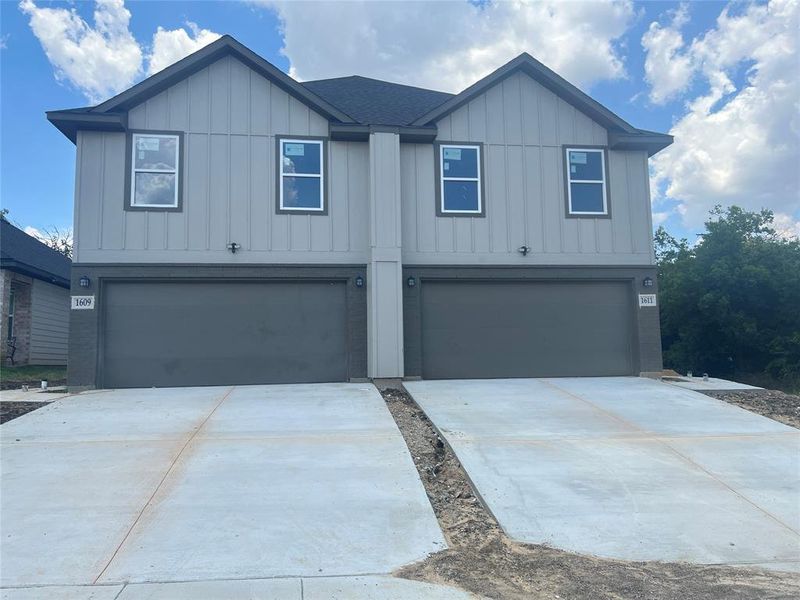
103	60
450	45
739	145
99	60
786	226
170	46
33	232
667	69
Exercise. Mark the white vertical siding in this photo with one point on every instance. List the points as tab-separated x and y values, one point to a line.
523	127
230	116
49	324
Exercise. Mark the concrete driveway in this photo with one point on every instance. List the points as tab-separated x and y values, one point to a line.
260	485
626	468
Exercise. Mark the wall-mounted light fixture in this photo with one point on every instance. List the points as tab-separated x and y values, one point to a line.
84	281
233	247
647	282
411	282
524	250
359	281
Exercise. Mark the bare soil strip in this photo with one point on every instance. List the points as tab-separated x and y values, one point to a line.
12	410
483	560
774	404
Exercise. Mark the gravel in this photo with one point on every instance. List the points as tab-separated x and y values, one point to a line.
774	404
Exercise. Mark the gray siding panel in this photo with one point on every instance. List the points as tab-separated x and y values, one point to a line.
49	324
524	126
230	116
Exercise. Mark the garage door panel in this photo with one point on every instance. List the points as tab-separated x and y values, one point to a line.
219	333
475	329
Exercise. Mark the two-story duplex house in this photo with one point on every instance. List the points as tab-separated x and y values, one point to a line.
233	225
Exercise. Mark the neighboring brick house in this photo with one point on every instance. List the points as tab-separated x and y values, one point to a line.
236	226
34	287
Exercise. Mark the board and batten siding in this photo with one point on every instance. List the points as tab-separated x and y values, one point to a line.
523	127
49	324
230	116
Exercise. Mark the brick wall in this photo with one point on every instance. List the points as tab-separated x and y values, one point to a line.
21	285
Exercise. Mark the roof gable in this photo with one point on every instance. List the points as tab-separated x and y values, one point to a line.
226	45
543	75
622	135
111	115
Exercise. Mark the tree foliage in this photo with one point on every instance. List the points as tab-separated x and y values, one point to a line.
730	304
59	240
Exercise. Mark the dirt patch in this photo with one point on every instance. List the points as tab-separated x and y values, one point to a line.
483	560
774	404
12	410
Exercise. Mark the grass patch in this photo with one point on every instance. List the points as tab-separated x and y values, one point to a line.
12	377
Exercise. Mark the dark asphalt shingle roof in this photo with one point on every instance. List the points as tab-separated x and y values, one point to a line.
376	102
21	252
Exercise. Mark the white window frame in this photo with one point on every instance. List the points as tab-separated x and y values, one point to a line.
320	176
175	171
602	183
443	178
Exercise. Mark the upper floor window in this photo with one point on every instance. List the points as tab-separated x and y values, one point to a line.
587	190
460	180
301	177
155	170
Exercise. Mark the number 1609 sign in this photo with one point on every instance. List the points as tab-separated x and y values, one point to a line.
83	303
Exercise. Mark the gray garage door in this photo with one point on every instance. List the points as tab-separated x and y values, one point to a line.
526	329
220	333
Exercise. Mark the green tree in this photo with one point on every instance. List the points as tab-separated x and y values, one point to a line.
730	304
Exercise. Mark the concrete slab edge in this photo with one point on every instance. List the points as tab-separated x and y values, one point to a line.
447	444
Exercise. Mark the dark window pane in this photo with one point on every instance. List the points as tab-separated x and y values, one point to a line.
459	162
587	197
154	188
300	157
302	192
585	165
461	195
155	152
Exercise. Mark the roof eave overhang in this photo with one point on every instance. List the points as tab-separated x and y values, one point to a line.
36	273
69	123
106	116
360	133
652	143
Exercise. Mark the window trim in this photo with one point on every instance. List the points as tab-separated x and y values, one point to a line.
180	168
440	179
279	175
603	151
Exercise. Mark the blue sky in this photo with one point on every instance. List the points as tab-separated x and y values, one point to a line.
657	64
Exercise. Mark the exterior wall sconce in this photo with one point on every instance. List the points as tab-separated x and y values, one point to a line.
84	281
359	281
647	282
233	247
411	282
524	250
